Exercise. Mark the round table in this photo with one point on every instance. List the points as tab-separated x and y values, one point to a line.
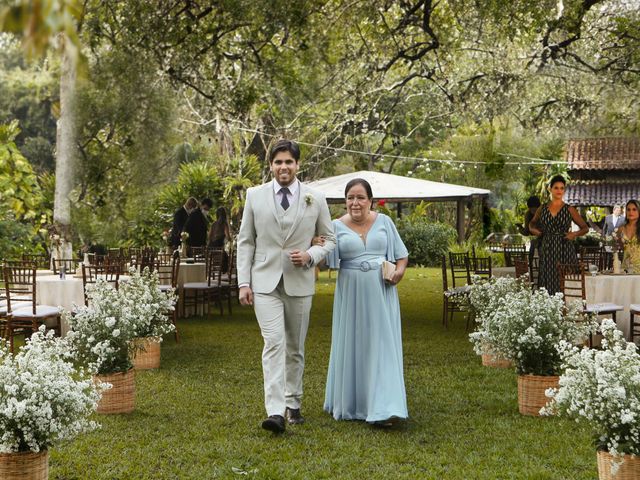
619	289
65	293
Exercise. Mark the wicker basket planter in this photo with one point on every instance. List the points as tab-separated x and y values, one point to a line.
531	388
147	355
121	398
629	470
24	466
495	361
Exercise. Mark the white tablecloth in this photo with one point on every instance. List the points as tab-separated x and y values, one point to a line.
620	289
190	272
56	292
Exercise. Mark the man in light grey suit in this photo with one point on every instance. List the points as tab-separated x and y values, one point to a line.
613	221
276	275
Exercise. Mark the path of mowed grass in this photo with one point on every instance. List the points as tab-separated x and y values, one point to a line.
198	417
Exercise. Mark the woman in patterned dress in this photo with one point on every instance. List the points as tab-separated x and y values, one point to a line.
629	237
552	222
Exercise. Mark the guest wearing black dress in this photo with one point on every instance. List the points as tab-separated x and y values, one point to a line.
552	222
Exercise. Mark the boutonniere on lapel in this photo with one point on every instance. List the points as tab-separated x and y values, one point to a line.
308	199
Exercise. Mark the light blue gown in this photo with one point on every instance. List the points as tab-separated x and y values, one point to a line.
365	379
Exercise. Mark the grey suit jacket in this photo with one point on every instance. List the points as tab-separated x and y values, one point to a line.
609	227
263	252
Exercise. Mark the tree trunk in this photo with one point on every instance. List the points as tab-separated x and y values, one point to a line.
65	156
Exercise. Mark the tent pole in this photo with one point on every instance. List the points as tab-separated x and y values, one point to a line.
399	209
460	220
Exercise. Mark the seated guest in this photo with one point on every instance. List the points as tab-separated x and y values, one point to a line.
179	219
197	224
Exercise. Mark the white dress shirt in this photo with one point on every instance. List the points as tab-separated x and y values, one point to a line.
292	196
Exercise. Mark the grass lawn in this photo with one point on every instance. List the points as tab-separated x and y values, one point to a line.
199	416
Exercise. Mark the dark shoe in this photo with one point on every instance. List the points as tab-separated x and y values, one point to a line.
274	423
388	423
293	416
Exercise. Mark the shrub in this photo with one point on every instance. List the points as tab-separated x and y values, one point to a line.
426	241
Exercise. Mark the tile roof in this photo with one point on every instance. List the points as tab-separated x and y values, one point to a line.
602	192
606	153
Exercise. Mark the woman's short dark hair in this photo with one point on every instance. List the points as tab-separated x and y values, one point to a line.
359	181
206	202
533	202
557	178
284	145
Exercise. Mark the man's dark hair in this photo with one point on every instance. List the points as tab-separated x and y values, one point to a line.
533	202
206	201
555	179
284	145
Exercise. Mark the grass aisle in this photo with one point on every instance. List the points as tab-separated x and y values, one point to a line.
199	416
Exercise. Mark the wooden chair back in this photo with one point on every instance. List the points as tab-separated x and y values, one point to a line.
460	269
482	266
91	273
42	261
214	259
572	281
20	283
522	267
593	256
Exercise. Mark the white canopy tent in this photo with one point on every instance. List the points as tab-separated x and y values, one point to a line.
394	188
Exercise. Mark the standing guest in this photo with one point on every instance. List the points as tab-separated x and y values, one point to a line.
219	233
276	275
533	203
365	380
552	222
613	221
179	219
197	224
629	237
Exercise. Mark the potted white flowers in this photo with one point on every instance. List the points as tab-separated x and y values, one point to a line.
526	327
44	399
101	335
602	387
482	299
149	308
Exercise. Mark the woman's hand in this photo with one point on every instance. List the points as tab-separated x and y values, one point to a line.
318	241
571	236
396	277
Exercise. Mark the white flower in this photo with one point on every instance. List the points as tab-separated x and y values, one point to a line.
116	333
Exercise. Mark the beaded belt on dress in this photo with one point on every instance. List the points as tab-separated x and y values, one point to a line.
364	265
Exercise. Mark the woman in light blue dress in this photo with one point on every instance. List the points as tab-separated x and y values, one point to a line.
365	379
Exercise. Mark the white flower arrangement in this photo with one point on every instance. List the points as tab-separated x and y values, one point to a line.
44	398
101	332
184	236
147	305
483	298
527	326
602	387
308	198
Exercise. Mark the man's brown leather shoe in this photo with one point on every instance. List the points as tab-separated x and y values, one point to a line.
274	423
293	416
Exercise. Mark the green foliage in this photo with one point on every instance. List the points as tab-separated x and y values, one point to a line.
12	238
426	241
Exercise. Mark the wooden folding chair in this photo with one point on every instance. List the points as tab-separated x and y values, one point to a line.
70	265
209	291
23	314
91	273
168	279
451	298
572	286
